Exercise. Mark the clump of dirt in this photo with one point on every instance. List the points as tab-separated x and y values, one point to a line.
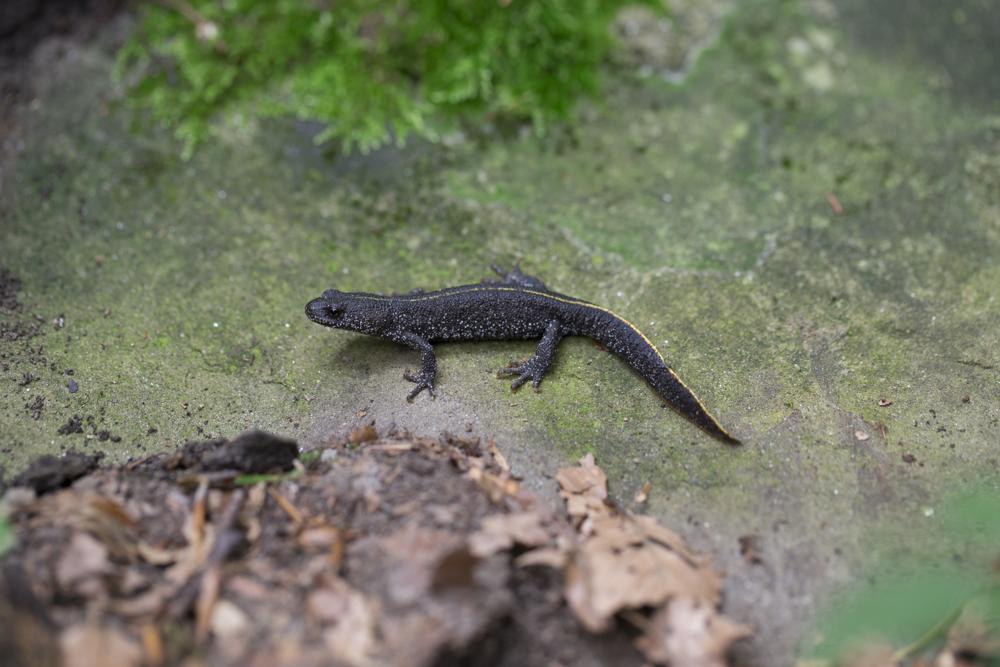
48	473
397	550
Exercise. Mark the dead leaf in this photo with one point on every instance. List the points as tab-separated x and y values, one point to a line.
501	531
229	621
157	556
603	579
82	565
361	434
585	490
834	203
750	549
152	645
90	645
870	654
208	595
351	637
498	456
231	631
624	563
668	538
546	557
884	402
324	537
643	495
585	479
496	487
971	639
690	633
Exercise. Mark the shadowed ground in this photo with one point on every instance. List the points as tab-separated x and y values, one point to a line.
807	227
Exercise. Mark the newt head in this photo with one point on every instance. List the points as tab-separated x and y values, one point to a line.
327	310
353	312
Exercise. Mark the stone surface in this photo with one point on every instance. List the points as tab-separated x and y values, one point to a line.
806	225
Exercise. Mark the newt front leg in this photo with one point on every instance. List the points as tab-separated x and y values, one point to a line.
533	369
428	364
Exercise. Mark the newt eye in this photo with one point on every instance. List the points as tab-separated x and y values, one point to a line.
323	311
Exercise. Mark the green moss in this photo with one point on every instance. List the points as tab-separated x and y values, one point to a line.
372	73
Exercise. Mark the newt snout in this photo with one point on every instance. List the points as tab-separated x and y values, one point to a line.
322	311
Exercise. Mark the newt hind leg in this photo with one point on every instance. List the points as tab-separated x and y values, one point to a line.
535	368
518	279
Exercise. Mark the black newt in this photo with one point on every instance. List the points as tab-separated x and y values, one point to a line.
516	307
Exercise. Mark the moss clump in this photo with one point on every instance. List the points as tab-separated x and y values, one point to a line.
371	72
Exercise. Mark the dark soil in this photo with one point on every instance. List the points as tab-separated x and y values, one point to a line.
10	285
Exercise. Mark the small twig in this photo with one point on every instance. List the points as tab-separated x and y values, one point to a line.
198	514
224	543
152	645
294	514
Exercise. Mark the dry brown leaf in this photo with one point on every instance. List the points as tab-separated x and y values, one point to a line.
669	538
361	434
208	595
231	628
689	633
501	531
971	639
156	556
750	549
324	537
604	579
585	479
143	605
496	487
82	565
545	557
415	554
625	562
584	488
89	645
872	654
351	637
194	527
152	645
643	495
498	456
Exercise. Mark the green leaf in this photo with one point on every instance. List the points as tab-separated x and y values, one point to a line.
6	536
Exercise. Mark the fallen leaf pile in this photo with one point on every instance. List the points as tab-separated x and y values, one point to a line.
624	562
375	550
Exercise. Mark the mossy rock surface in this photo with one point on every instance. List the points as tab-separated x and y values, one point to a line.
806	226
